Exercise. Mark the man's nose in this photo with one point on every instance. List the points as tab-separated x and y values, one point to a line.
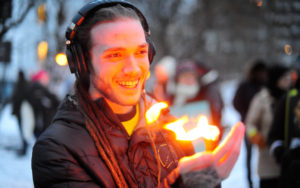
131	65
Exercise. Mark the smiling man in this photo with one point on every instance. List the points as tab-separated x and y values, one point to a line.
119	55
99	136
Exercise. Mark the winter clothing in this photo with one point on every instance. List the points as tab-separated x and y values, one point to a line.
259	117
18	96
44	104
284	139
241	101
65	155
284	128
243	96
39	107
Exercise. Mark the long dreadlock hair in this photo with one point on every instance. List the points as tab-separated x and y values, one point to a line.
88	108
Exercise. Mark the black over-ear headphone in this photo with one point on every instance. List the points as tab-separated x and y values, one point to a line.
74	51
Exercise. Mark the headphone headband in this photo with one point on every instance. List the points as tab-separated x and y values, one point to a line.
98	4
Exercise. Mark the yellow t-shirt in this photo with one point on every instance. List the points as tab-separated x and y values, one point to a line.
130	124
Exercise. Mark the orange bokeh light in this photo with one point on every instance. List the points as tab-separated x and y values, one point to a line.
42	50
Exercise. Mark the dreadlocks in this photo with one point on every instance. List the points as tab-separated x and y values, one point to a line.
94	127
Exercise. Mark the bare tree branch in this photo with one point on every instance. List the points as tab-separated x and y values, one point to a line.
7	27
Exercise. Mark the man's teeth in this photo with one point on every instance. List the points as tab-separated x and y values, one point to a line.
128	83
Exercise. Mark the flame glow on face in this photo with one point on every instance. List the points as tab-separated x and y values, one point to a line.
185	128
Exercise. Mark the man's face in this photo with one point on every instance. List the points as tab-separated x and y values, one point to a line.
119	56
188	78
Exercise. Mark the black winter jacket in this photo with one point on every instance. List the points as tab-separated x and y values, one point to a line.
284	131
65	155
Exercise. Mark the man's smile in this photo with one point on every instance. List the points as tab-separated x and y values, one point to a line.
128	84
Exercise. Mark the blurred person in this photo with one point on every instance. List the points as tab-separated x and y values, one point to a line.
194	84
18	98
99	136
164	78
33	105
259	118
196	92
255	79
284	137
43	101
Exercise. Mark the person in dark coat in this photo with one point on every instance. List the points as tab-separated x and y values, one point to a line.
259	119
256	78
18	96
284	137
42	100
100	136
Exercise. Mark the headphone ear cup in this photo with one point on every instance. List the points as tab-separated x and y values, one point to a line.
76	60
81	60
70	57
151	49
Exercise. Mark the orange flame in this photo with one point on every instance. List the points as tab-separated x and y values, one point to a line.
184	128
153	113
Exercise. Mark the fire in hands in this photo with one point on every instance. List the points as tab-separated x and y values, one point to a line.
220	158
203	136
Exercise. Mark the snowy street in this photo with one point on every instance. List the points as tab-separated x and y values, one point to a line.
15	172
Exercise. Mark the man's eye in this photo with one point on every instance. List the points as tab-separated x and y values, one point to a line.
141	52
113	55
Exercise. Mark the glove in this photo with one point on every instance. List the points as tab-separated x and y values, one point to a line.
207	169
258	140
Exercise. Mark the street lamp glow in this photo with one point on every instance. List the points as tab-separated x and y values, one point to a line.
42	50
61	59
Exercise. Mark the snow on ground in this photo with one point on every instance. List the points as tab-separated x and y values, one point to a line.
238	176
15	172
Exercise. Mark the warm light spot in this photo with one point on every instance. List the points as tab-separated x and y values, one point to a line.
186	129
41	12
177	128
61	59
153	113
294	76
42	50
259	3
288	49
